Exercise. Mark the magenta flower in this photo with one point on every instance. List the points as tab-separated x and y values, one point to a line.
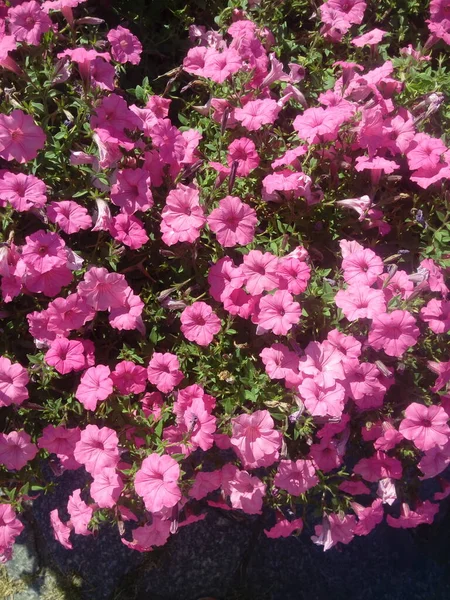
200	425
61	531
132	191
164	371
129	230
69	215
437	314
233	222
106	488
257	113
157	482
423	513
95	385
261	271
323	396
371	38
182	216
393	332
22	191
66	355
243	151
296	477
20	137
199	323
13	382
103	290
125	47
335	528
28	22
278	312
223	278
128	316
284	528
279	361
317	125
204	483
294	275
368	517
97	449
255	440
218	66
16	449
148	536
67	314
379	466
426	426
246	492
325	455
61	441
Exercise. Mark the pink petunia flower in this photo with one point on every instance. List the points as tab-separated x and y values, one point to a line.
257	113
368	517
261	271
182	216
66	355
323	396
284	528
97	449
278	312
80	513
20	137
95	385
246	492
103	290
106	488
132	191
359	301
125	47
362	267
148	536
371	38
393	332
69	215
317	125
233	222
22	191
28	22
279	361
379	466
423	513
128	316
336	527
61	531
164	371
129	230
294	275
426	426
200	425
61	441
157	482
296	477
10	528
218	66
325	455
204	483
255	440
437	314
223	278
243	152
16	449
68	314
129	378
199	323
13	381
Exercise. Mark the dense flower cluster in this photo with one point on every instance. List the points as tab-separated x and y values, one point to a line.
188	341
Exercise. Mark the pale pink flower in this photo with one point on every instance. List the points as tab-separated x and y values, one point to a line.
347	345
233	222
199	323
129	230
44	251
104	218
246	492
157	482
296	477
68	314
257	113
393	332
164	371
284	528
322	358
61	441
103	290
80	513
182	216
278	312
336	527
20	137
16	449
323	396
186	397
194	61
13	382
317	125
368	517
106	488
28	22
261	271
294	275
129	378
359	301
426	426
365	385
424	152
22	191
435	277
371	38
325	455
66	355
200	425
398	284
69	215
128	316
279	361
255	440
125	47
362	267
379	466
95	385
386	491
147	536
434	461
61	531
437	314
97	449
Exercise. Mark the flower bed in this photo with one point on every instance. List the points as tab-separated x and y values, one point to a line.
232	293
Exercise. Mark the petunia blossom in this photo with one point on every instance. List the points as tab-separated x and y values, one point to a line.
199	323
95	385
233	222
20	137
296	477
425	426
13	381
157	482
255	440
393	332
164	371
